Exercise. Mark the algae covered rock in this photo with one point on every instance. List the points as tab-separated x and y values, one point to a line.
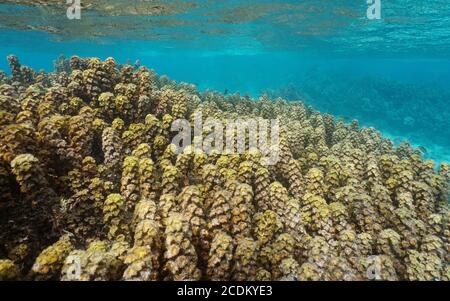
93	186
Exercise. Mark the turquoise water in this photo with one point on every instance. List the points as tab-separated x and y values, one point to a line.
392	73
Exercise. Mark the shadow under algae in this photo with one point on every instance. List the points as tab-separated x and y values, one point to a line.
91	188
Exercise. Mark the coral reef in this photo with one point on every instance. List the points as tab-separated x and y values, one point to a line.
91	187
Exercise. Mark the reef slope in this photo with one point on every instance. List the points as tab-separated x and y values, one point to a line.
91	188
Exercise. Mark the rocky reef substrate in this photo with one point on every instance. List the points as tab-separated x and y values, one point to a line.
91	188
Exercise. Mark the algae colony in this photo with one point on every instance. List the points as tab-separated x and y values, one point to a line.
93	188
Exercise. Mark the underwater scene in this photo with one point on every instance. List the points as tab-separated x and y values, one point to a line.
244	140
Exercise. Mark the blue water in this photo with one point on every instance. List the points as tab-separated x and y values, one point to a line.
324	52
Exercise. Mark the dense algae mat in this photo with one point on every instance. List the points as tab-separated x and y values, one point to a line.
91	188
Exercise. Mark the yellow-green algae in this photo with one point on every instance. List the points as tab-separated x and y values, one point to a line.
91	188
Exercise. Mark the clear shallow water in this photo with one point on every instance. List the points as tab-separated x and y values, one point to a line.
392	73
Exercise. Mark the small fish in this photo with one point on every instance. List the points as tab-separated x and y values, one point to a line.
343	119
137	64
422	149
225	92
397	140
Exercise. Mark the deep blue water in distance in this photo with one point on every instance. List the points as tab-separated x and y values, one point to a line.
248	71
403	60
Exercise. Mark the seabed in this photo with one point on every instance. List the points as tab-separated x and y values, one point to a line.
92	188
